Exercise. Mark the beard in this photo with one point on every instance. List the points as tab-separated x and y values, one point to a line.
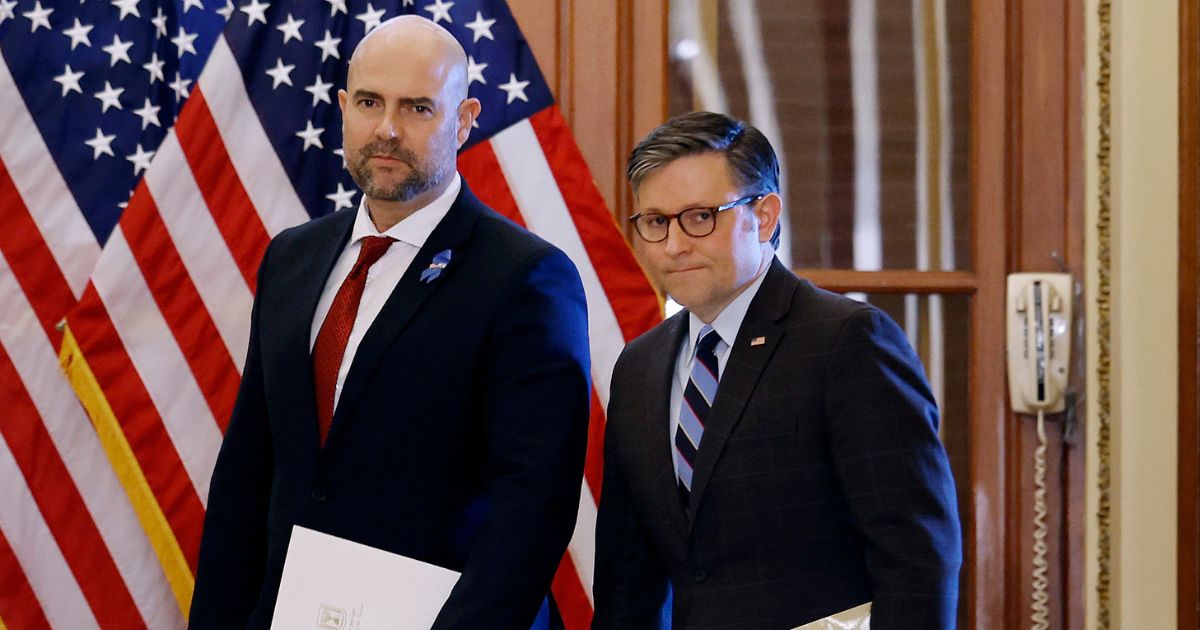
421	177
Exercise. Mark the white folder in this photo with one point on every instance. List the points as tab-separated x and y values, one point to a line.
857	618
330	583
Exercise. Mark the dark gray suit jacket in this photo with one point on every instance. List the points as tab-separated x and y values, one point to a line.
820	482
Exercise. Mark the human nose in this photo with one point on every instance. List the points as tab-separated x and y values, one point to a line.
677	242
387	127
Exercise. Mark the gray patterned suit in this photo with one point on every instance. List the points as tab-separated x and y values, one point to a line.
820	482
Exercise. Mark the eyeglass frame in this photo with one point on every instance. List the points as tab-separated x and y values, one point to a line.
677	217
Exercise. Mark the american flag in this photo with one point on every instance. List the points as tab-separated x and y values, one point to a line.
148	152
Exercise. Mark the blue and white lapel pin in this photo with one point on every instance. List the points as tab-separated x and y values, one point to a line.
435	268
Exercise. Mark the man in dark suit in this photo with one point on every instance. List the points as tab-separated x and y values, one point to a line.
771	454
417	378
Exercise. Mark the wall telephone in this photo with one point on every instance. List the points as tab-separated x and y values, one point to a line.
1039	353
1039	341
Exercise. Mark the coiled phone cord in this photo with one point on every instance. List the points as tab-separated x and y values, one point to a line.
1041	611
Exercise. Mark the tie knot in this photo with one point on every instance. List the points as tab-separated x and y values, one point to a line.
708	340
371	249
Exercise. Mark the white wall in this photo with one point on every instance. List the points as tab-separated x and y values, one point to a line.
1144	328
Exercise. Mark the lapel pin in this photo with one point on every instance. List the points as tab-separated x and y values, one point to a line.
435	268
758	341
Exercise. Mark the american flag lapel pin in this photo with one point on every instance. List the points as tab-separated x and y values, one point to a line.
758	341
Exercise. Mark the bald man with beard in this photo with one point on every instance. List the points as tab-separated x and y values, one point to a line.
417	378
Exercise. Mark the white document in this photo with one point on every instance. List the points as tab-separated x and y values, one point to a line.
330	583
857	618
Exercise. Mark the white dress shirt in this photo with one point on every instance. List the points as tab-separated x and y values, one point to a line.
410	235
727	324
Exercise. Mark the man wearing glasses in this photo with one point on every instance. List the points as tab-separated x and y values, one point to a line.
771	453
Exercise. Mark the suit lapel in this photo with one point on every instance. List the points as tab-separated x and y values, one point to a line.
296	331
407	298
656	415
743	370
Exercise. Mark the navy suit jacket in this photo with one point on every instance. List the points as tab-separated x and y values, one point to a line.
820	483
459	437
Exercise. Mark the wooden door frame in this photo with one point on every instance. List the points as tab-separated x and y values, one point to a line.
1027	178
989	197
1188	549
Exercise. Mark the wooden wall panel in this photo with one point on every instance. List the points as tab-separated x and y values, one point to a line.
1046	223
607	65
595	94
1189	316
540	22
1027	200
986	566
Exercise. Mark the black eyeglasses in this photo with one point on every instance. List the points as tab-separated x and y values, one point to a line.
695	222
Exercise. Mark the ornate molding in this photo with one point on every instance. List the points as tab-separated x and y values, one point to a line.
1104	317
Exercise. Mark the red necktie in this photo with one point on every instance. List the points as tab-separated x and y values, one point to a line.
335	330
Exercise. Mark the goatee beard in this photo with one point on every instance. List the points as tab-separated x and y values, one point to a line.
417	181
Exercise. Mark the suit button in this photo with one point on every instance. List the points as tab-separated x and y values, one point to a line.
318	493
699	575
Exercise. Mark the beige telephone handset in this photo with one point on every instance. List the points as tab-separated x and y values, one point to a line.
1039	355
1039	341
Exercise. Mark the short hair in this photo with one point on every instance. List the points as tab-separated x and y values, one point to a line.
751	160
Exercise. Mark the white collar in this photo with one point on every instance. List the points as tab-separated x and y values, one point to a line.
416	227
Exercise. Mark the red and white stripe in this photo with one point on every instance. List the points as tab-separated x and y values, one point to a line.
547	188
154	352
163	327
72	553
165	322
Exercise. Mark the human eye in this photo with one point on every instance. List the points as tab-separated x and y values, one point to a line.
699	216
422	110
367	102
655	220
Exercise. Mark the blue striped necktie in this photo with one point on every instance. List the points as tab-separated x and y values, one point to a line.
698	397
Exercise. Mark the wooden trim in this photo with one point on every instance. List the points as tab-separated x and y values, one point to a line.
1012	528
990	179
1074	483
1188	547
664	79
891	281
622	99
838	129
567	54
1044	219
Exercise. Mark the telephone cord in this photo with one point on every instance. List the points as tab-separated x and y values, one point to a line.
1041	611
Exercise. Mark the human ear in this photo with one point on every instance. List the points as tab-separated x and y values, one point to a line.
768	211
468	111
